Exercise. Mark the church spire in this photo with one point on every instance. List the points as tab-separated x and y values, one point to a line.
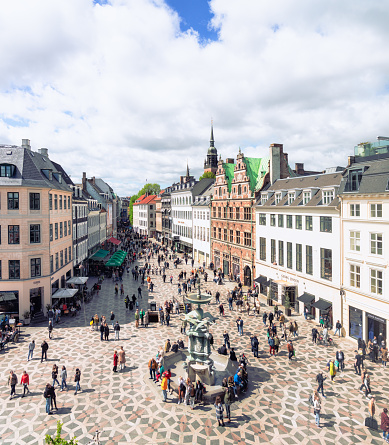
187	169
212	141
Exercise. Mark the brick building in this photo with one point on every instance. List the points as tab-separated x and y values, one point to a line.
236	190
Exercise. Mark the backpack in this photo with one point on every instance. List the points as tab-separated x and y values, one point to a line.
310	400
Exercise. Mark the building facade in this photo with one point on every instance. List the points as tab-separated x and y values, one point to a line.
144	216
166	216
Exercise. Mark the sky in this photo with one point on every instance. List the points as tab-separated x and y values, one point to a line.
126	89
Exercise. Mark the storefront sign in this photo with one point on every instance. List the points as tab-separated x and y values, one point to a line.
287	277
35	282
374	317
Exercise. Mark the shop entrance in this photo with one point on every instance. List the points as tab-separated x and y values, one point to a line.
376	327
226	267
36	299
247	276
290	292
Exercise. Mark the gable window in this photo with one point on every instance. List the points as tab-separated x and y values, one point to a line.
263	199
353	180
13	201
376	210
35	201
355	241
7	170
306	197
278	198
328	196
355	210
376	243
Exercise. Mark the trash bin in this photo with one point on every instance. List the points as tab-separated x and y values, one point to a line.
153	306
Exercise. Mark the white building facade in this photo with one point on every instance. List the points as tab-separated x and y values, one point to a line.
365	242
297	244
144	215
181	204
201	211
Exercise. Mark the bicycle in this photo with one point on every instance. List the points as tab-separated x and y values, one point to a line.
96	439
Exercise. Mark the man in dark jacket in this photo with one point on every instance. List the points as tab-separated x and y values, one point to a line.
44	347
226	339
338	327
314	335
222	350
340	359
254	345
102	329
271	317
320	380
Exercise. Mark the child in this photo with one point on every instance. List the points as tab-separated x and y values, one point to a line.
219	411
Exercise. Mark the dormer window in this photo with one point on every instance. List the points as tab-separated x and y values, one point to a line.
291	197
263	199
58	177
278	198
47	172
7	170
328	196
307	197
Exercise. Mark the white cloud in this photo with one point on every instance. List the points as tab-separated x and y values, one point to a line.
117	91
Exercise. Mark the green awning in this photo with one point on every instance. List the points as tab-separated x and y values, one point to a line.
99	255
116	259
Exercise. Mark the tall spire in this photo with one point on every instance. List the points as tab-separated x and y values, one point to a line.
187	169
212	141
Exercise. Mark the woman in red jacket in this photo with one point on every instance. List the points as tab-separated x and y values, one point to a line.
25	381
385	424
115	361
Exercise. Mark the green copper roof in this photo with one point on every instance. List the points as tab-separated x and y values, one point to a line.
256	168
229	169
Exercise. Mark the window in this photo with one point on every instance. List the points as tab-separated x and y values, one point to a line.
13	201
262	219
60	202
289	221
231	213
231	236
355	275
55	202
61	229
0	269
355	210
7	170
299	222
225	234
213	212
69	231
308	223
237	213
375	210
247	213
353	180
65	229
289	255
13	235
262	249
280	220
64	202
56	230
281	253
51	232
50	201
326	264
14	269
263	199
214	232
61	257
278	198
70	253
66	256
247	239
308	260
306	197
376	243
326	224
69	202
239	189
35	233
273	254
237	237
219	212
35	267
219	233
51	264
35	201
273	220
328	197
291	198
299	257
376	281
56	261
225	212
355	241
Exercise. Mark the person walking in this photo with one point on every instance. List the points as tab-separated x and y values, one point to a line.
50	329
371	407
271	345
254	345
332	370
219	411
358	363
113	319
31	347
228	400
115	361
117	330
54	374
64	376
317	408
290	349
53	398
122	359
264	318
77	379
340	359
164	387
226	338
320	380
47	396
367	385
384	356
25	381
385	424
44	347
315	333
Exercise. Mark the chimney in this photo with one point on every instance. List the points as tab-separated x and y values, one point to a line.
84	181
229	160
43	152
276	151
299	168
26	144
93	180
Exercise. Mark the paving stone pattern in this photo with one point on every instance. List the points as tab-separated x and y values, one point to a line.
128	407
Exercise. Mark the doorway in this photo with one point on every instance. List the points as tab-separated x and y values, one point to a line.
376	327
226	267
290	292
247	276
36	300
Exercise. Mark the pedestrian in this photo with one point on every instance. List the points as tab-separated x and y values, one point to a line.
31	347
64	376
384	355
332	370
264	318
141	315
164	387
112	318
102	329
181	390
228	400
53	398
50	328
385	424
54	374
226	337
192	395
117	330
147	317
320	380
290	349
187	393
295	329
167	318
25	381
317	407
47	396
358	363
339	360
371	407
367	385
210	336
314	335
106	332
271	345
77	379
115	361
44	347
338	327
122	359
219	411
137	318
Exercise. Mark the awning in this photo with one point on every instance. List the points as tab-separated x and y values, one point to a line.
77	280
64	293
116	259
261	279
114	241
323	305
99	255
306	298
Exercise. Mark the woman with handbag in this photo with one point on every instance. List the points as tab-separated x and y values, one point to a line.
316	407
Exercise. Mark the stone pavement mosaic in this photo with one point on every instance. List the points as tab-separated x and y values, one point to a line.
128	408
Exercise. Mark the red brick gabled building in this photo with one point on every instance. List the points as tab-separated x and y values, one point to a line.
236	190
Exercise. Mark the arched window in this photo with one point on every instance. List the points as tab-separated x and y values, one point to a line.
239	189
245	189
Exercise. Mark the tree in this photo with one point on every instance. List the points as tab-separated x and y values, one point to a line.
151	189
207	175
57	440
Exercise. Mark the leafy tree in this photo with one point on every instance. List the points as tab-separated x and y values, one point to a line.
207	175
151	189
57	440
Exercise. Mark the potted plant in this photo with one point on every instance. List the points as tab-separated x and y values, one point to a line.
288	311
26	317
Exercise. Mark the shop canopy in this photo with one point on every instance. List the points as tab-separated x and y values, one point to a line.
99	255
261	279
306	298
64	293
116	259
114	241
77	280
321	304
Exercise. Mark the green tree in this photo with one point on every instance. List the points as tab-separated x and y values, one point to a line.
57	440
151	189
207	175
